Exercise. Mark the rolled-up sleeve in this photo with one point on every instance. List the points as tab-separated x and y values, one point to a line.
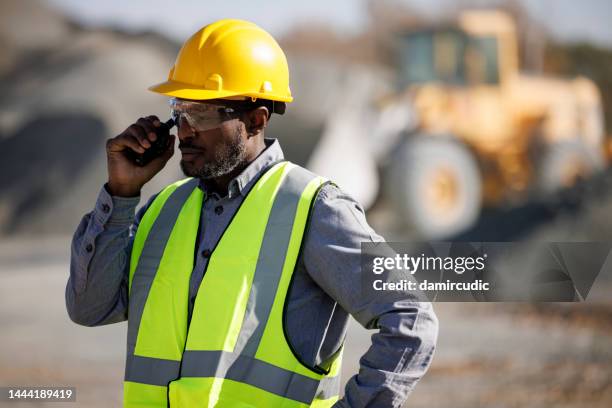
96	291
402	349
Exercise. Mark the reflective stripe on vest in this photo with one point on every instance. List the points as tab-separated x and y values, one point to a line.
234	351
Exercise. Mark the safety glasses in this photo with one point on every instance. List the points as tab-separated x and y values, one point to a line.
200	116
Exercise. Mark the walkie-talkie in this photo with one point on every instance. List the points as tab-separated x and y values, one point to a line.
157	148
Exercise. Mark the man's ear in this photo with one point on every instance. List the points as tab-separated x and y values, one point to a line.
257	120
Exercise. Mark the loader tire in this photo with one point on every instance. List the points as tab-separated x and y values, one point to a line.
435	185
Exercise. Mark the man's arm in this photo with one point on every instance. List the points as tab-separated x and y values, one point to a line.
402	350
97	291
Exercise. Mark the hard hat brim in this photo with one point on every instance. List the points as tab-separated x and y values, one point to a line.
186	91
180	90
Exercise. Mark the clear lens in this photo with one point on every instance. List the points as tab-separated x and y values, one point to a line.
199	116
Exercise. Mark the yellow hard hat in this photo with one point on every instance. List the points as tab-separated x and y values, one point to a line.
226	59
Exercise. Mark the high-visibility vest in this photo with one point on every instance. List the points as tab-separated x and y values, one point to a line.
234	351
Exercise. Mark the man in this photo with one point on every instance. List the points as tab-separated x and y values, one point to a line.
237	282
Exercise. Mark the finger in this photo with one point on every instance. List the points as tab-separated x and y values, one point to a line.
133	143
154	119
146	124
122	142
140	135
149	128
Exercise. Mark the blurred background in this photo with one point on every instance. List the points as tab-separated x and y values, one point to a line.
454	120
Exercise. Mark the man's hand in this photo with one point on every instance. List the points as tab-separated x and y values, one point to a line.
125	178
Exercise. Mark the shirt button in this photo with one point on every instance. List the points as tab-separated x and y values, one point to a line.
89	248
218	209
206	253
105	208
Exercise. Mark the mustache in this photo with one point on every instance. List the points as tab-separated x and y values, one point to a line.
189	146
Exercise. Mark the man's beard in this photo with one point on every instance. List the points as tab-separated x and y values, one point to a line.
226	159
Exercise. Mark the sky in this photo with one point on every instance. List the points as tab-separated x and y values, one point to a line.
566	20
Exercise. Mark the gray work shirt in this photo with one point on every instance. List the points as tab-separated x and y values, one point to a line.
325	290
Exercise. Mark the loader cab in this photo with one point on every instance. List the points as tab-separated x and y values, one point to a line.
449	56
461	78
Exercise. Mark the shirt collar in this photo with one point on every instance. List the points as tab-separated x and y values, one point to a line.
238	184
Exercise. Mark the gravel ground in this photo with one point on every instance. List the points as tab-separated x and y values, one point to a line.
489	355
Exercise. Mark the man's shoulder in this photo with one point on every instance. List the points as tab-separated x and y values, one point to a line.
331	195
303	172
329	192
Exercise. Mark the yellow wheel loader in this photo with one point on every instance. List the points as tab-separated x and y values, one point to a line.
463	128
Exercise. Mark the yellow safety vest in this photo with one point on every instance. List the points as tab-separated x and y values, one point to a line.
234	352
